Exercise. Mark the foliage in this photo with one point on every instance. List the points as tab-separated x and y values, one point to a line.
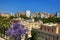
34	34
36	18
4	24
51	20
11	17
24	16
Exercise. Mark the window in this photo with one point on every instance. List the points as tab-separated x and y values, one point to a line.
52	30
48	29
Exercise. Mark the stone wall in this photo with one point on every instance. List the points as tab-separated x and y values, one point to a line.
48	36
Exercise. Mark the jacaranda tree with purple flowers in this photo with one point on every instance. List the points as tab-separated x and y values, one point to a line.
17	30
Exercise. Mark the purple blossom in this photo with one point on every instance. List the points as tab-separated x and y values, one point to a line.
17	30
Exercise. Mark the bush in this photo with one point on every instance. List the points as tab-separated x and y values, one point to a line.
34	34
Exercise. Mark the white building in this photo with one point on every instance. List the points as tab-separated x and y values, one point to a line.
42	15
58	14
28	13
12	14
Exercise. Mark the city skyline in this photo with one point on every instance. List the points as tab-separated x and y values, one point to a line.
14	6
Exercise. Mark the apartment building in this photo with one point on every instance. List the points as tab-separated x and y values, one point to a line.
28	13
49	31
20	13
58	14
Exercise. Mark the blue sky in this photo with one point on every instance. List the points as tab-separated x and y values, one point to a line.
49	6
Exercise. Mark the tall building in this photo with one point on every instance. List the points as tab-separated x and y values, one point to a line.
58	14
28	13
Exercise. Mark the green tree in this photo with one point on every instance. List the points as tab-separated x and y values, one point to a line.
4	24
51	20
11	17
36	18
24	17
34	34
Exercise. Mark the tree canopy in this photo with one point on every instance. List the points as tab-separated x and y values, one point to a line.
24	17
51	19
34	34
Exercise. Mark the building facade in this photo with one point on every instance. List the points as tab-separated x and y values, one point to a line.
49	32
58	14
48	36
28	13
20	13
